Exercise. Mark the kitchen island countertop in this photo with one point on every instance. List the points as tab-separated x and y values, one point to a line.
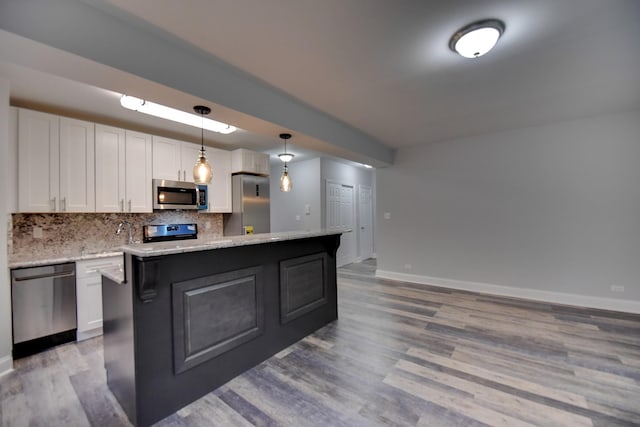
182	246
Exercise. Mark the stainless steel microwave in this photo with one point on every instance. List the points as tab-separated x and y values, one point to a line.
179	195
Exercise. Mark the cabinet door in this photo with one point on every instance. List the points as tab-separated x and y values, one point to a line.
77	166
219	191
167	162
138	172
89	295
261	162
190	153
38	161
110	174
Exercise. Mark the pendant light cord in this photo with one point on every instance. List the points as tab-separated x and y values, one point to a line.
202	132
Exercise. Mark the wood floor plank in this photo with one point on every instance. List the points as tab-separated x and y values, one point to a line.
466	406
515	382
400	354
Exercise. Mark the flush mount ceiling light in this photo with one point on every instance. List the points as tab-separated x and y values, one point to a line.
285	179
477	38
285	157
168	113
202	169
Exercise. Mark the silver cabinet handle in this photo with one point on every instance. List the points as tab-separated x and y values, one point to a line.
121	205
129	205
53	204
184	175
44	276
178	174
63	204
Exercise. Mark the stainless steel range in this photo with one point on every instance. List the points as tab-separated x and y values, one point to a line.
168	232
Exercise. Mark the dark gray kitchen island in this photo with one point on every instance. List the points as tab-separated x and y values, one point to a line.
188	317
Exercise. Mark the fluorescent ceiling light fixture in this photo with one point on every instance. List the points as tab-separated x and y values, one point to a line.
168	113
477	38
367	166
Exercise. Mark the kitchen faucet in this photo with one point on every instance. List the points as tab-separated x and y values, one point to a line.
129	230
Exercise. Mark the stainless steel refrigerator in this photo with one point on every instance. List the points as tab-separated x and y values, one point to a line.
250	194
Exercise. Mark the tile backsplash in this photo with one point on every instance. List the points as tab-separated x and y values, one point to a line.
73	234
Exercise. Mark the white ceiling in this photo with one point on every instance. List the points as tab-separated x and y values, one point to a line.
380	66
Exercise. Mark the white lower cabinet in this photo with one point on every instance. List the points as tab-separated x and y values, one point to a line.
89	295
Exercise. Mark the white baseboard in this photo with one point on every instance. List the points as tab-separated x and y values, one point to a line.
83	335
525	293
6	365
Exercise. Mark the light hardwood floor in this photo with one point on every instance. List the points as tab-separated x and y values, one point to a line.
400	355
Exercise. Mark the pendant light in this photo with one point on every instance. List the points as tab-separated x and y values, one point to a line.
285	179
202	169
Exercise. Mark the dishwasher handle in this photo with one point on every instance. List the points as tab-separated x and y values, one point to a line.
44	276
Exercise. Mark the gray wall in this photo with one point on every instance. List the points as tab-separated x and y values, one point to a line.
5	205
309	179
552	208
286	208
346	174
343	173
107	35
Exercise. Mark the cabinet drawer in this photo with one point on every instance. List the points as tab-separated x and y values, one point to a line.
91	268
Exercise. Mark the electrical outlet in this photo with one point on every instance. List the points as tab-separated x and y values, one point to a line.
297	217
407	266
37	232
617	288
387	215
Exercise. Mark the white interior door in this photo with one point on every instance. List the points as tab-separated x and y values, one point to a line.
341	215
366	221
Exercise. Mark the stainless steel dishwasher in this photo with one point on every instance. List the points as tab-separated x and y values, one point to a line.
43	306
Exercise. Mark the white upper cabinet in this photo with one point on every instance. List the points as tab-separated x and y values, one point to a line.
190	153
77	173
138	171
174	160
110	173
219	191
38	161
55	163
247	161
167	163
123	170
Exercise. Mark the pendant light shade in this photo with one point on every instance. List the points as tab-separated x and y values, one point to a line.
202	173
285	157
285	179
477	38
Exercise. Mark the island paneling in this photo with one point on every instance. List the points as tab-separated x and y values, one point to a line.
181	324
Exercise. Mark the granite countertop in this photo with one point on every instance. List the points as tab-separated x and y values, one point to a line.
114	272
37	260
176	247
